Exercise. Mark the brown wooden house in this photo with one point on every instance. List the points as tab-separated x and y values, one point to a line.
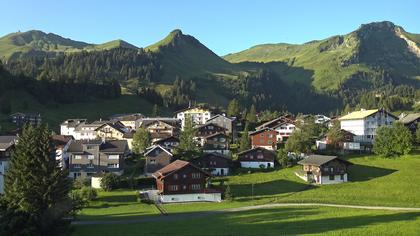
215	163
157	157
265	138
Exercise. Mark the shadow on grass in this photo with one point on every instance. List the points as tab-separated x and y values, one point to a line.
358	173
267	188
118	198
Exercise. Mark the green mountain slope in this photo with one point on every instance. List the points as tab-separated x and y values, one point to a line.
37	43
368	50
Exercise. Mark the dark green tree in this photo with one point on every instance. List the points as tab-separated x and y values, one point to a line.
251	117
282	157
244	142
395	140
228	195
110	181
36	198
335	135
141	140
187	148
418	133
155	111
233	108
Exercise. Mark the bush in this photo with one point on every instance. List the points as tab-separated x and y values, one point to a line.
110	181
88	193
395	140
81	182
227	194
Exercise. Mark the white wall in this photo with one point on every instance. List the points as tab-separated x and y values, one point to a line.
256	164
337	179
218	171
195	197
96	182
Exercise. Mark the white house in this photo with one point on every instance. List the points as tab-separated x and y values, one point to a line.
284	131
7	144
321	119
199	115
257	158
68	127
364	123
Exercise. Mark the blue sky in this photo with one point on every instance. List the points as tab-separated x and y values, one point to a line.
222	25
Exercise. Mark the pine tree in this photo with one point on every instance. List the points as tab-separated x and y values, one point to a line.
141	140
36	189
187	145
233	108
251	117
244	143
155	111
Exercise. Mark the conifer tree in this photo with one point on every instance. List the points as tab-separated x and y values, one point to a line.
187	145
244	143
141	140
251	117
36	189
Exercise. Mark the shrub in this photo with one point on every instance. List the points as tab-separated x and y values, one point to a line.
88	193
393	140
110	181
81	182
228	195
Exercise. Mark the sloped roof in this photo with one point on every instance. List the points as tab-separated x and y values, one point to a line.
173	167
150	149
7	141
110	146
410	118
355	115
171	138
260	131
269	155
219	115
318	160
215	134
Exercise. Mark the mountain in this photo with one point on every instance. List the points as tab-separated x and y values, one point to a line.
185	56
37	43
365	52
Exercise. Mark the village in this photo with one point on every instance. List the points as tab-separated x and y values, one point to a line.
90	150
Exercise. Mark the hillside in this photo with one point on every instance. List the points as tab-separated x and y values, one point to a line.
368	50
40	44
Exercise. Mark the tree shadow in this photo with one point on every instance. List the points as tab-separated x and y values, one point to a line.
359	173
267	188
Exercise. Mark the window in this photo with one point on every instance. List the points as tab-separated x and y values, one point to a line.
332	177
152	161
260	156
77	166
342	177
196	175
331	169
184	176
173	187
90	147
270	136
77	157
114	157
91	157
113	165
184	187
262	135
175	176
195	186
90	165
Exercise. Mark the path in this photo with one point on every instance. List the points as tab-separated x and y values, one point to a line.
190	215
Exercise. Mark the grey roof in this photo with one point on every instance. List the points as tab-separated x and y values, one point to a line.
127	117
318	160
6	141
410	118
73	122
170	121
110	146
219	115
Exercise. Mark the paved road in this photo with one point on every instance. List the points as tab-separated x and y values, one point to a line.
191	215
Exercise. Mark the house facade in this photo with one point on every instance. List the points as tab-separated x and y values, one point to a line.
198	115
20	118
265	138
182	181
257	158
169	143
410	121
7	145
89	157
228	123
363	123
111	130
87	131
218	142
321	169
131	121
68	126
62	144
214	163
157	157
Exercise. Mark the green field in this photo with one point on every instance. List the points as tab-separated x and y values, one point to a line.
375	181
56	113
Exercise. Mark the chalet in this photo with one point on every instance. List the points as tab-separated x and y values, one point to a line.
7	145
364	123
62	144
257	158
410	121
198	115
205	130
169	143
214	163
87	131
157	157
321	169
161	128
20	118
89	157
182	181
111	130
321	119
129	138
68	126
131	121
346	143
218	142
284	125
229	123
265	138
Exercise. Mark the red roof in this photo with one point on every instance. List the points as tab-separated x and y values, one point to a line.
173	167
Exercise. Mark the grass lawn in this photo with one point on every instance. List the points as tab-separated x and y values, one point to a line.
275	221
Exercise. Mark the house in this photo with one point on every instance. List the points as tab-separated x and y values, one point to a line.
229	123
218	142
111	130
321	119
68	126
182	181
346	143
410	121
265	138
129	138
205	130
89	157
62	144
130	121
364	123
7	145
157	157
257	158
20	118
87	131
214	163
198	115
169	143
321	169
284	125
161	128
